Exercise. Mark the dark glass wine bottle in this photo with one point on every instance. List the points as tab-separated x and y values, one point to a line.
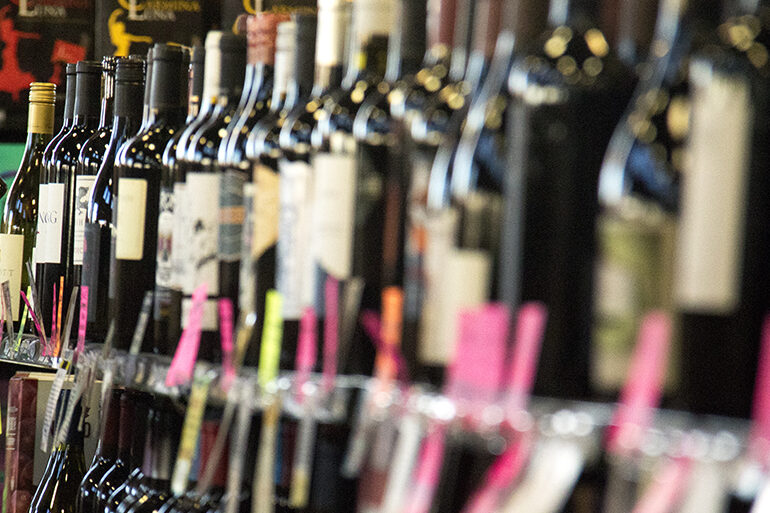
167	313
137	194
721	287
68	474
379	136
347	237
53	460
132	433
107	455
118	471
18	231
158	465
58	263
129	86
295	138
556	143
41	253
90	160
639	195
206	188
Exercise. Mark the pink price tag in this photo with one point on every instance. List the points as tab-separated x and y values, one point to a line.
644	386
666	489
54	326
331	331
428	472
759	443
307	352
83	319
183	364
504	471
476	372
530	328
372	325
226	339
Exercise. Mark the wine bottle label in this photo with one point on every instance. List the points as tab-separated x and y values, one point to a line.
266	208
209	317
294	236
231	215
179	236
456	279
203	198
164	274
333	215
711	233
53	220
11	255
41	236
247	291
131	213
83	186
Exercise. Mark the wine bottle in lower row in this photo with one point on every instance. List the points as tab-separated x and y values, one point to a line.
107	454
17	233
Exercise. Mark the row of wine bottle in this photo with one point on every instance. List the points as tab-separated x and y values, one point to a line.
334	158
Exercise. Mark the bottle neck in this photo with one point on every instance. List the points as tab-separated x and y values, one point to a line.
34	140
69	99
284	71
87	100
128	103
168	93
568	12
40	119
526	20
108	442
407	42
461	39
108	96
127	426
373	22
75	434
330	48
440	25
304	62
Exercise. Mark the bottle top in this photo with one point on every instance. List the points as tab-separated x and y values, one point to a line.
130	69
372	17
88	67
441	22
284	58
331	33
88	85
168	89
261	31
42	92
70	68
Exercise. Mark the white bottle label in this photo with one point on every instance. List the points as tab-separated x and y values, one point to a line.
203	205
83	186
266	208
11	255
53	218
164	264
178	236
42	224
210	317
334	210
711	229
294	236
231	215
131	213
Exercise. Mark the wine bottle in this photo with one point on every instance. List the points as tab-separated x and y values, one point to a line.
58	262
53	461
295	138
204	186
137	174
348	235
91	157
41	252
265	142
64	486
721	285
167	314
17	233
466	192
555	147
639	195
106	456
129	86
167	427
132	433
255	104
381	142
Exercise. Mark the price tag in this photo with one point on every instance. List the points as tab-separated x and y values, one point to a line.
263	489
35	306
65	340
667	488
302	467
240	441
7	311
50	408
331	331
83	320
226	338
270	352
22	324
404	459
181	369
35	320
530	327
59	308
428	472
190	433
